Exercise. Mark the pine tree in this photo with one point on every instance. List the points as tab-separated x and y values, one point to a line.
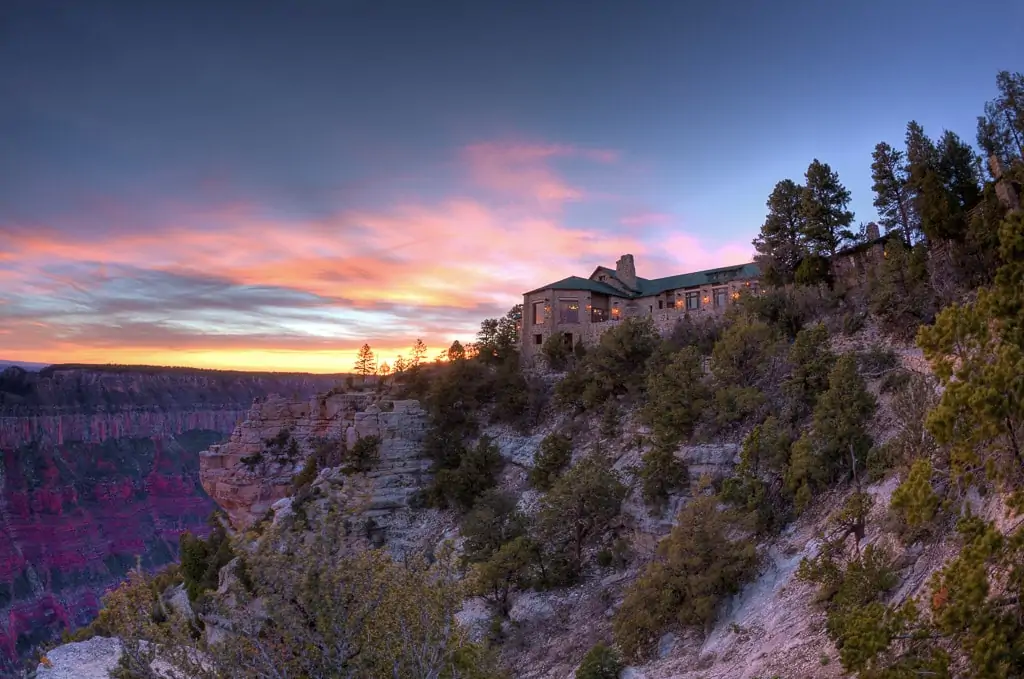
456	352
823	206
1001	129
892	196
977	352
779	244
366	362
419	354
958	165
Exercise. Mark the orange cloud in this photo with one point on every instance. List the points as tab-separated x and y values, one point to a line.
234	287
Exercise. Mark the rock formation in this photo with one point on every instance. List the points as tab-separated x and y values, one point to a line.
100	468
254	469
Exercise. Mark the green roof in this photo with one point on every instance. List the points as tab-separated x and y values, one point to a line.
692	280
656	286
577	283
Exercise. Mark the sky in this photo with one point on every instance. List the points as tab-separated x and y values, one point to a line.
269	185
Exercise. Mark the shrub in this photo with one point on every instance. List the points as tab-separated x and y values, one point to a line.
553	455
493	521
365	453
838	438
475	473
507	568
600	662
676	395
201	560
661	472
810	360
699	564
699	332
308	475
915	501
557	351
899	293
786	309
577	511
615	367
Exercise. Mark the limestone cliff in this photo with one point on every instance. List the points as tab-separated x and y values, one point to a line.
254	469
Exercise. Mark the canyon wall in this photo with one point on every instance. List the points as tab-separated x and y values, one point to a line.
100	471
254	469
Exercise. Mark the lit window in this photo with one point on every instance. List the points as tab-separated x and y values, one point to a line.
568	311
538	313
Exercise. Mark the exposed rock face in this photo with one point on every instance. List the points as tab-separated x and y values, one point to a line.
99	468
249	473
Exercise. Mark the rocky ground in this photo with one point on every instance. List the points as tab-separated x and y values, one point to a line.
772	628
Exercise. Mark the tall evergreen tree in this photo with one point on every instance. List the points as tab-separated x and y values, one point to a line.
892	194
779	244
823	207
943	181
366	362
959	166
1001	129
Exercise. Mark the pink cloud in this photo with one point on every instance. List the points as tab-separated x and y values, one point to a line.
524	171
647	219
426	258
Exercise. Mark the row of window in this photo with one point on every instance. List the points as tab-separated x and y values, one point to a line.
569	308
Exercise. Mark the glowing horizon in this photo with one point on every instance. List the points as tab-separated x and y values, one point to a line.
236	286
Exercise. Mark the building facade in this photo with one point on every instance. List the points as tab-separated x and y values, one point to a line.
580	309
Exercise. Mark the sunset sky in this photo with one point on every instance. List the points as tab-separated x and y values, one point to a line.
269	185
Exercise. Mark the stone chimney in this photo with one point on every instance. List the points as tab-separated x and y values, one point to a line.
871	232
625	270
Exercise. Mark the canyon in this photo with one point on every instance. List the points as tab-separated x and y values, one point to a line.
100	472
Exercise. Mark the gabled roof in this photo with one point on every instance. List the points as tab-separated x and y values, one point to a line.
577	283
655	286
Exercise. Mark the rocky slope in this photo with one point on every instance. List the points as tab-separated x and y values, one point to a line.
100	467
772	628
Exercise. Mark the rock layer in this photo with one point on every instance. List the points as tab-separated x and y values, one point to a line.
254	469
100	468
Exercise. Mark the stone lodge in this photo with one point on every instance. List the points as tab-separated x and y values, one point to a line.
580	309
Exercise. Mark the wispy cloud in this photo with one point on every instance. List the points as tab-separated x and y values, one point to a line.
241	285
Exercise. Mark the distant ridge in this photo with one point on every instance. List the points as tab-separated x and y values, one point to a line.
31	367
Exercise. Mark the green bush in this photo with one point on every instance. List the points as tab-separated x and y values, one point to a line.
576	512
700	564
915	501
600	662
677	395
365	453
201	560
615	367
557	351
661	473
553	455
493	521
475	473
810	360
900	295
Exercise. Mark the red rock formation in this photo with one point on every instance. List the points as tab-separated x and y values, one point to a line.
100	470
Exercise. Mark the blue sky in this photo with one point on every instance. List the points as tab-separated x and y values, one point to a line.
263	184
